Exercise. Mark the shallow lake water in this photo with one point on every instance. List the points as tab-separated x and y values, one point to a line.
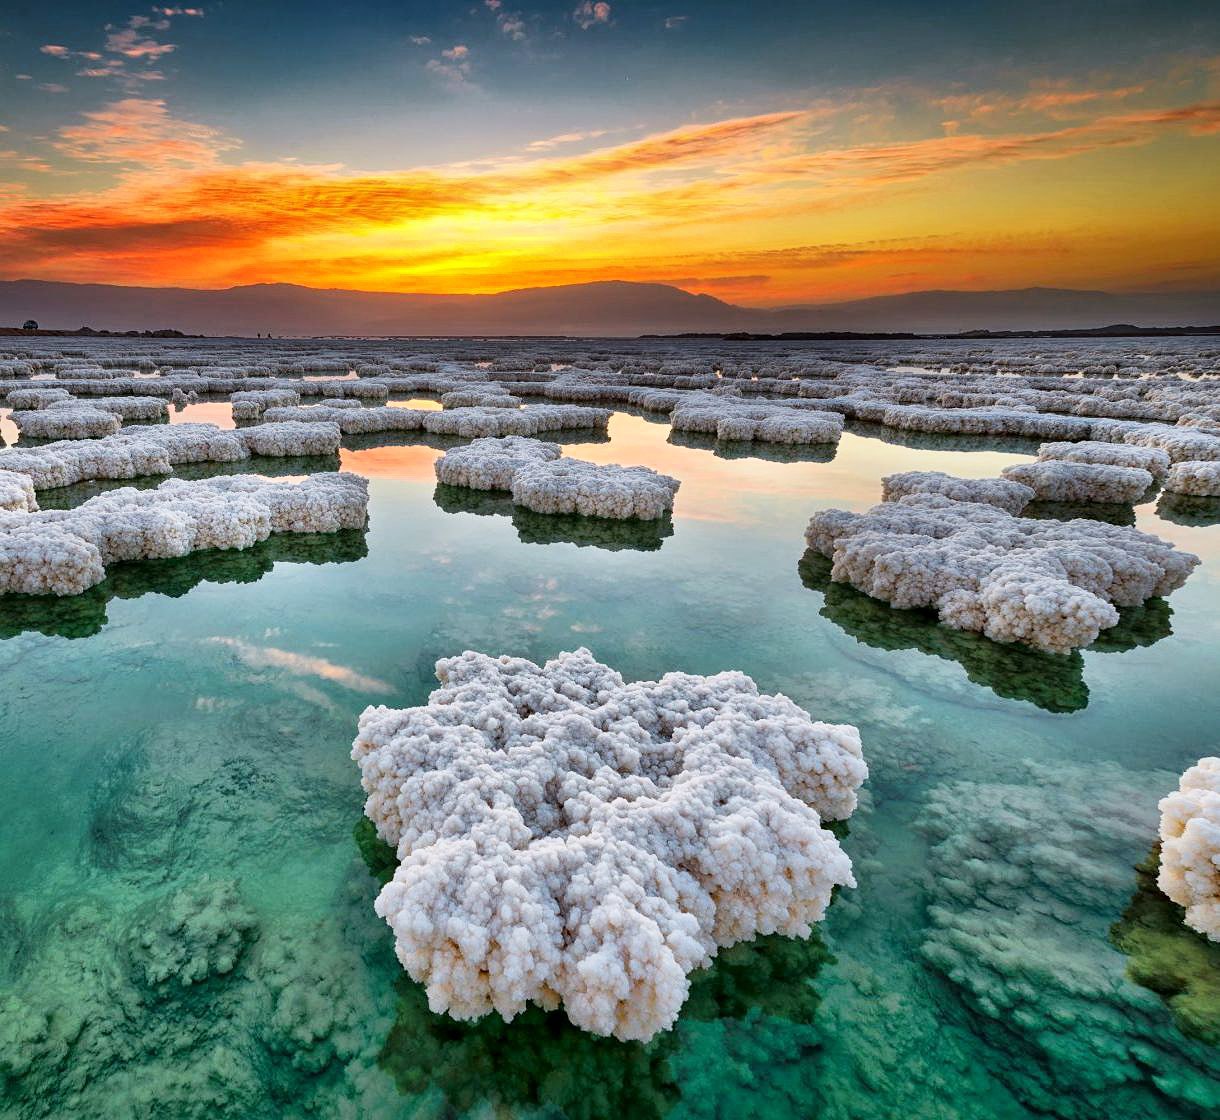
186	923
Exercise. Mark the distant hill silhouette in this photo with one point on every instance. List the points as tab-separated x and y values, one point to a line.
603	308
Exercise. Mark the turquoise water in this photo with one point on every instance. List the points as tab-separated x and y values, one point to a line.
187	909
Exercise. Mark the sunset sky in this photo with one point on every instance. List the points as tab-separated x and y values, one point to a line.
766	153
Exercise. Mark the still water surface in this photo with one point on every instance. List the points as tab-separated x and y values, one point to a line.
186	923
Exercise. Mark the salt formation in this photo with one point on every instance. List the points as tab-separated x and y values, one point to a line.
491	463
730	418
36	397
594	489
567	838
1010	496
292	439
488	397
543	481
1063	480
156	450
250	404
64	552
1190	847
483	421
1151	459
1053	585
351	417
17	492
1199	479
66	420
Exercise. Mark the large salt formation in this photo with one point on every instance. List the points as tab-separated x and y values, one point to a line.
65	552
1190	847
565	837
1051	584
1064	480
543	480
156	450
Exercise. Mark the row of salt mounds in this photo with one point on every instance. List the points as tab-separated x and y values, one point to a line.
567	838
1190	847
1062	480
544	481
66	420
1012	497
471	422
1151	459
486	397
250	404
729	419
65	552
130	407
1180	444
155	451
1053	585
1200	479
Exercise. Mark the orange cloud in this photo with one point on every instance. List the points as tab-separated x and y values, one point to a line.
747	204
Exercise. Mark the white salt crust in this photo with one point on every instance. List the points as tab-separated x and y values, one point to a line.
567	838
1200	479
542	480
1151	459
568	485
292	439
1053	585
1190	847
17	492
1012	497
65	552
136	453
729	418
491	463
1063	480
69	419
250	404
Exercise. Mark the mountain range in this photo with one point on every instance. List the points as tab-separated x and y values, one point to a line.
604	308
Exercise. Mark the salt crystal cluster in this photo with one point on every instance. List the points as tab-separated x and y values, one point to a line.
293	439
568	485
1053	585
544	481
730	418
492	464
567	838
17	492
1063	480
66	420
136	453
489	397
65	552
1010	496
1151	459
250	404
1199	479
1190	847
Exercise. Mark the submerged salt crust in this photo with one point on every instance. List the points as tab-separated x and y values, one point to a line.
1190	846
567	838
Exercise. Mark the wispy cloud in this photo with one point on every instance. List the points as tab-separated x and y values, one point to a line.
141	132
552	142
672	23
453	66
590	13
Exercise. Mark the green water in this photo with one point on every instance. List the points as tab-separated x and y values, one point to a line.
186	909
